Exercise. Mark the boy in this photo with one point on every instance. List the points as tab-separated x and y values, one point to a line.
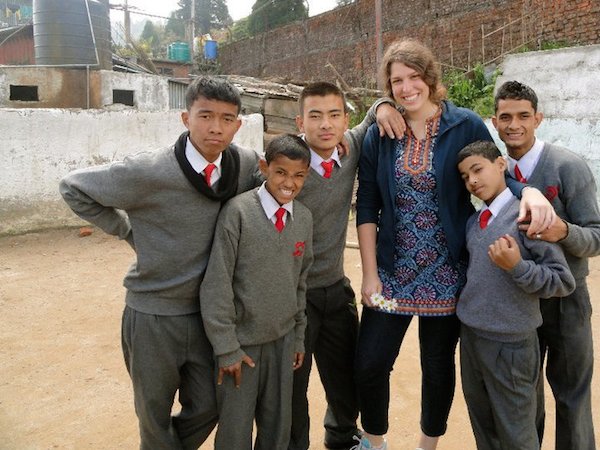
330	304
498	307
566	334
253	300
165	205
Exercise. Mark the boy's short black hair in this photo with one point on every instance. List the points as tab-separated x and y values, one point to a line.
486	149
320	89
212	88
513	90
290	146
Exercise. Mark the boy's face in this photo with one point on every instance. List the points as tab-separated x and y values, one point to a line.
284	177
516	122
323	121
483	178
212	125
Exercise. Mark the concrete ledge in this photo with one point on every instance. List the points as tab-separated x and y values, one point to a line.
40	146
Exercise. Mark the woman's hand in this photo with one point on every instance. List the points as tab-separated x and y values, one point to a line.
370	285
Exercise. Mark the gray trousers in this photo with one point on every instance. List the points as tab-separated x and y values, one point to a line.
566	341
163	355
331	335
499	383
265	395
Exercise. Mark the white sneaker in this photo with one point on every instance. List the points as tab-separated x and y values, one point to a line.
365	444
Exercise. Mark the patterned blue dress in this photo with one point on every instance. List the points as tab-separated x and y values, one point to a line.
425	282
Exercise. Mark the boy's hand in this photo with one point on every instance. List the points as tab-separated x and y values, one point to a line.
390	121
536	213
556	232
235	370
298	360
505	252
370	285
343	147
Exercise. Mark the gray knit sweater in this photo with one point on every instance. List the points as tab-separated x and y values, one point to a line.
254	290
567	181
147	200
503	305
329	202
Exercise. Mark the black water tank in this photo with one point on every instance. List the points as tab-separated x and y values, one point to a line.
62	33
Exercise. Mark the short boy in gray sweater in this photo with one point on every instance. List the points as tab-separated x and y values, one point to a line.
165	204
253	300
498	307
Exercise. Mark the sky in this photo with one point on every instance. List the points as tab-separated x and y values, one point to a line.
237	8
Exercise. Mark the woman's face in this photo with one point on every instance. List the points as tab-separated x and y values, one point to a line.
408	88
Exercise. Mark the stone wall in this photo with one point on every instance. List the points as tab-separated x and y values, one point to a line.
345	37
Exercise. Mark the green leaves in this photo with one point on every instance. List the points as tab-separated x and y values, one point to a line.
473	89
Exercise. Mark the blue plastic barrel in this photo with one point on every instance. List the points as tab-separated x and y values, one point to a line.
210	49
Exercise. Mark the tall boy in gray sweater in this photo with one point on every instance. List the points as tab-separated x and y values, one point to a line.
498	307
165	205
331	312
253	300
566	333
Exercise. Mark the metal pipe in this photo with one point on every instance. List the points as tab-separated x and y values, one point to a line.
87	7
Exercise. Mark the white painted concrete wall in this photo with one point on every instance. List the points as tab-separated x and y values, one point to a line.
566	80
567	83
39	146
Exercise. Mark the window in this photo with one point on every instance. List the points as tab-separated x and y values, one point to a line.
123	96
24	93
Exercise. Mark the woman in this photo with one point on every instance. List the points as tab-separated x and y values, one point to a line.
412	208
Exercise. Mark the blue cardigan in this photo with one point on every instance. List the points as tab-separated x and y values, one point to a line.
377	185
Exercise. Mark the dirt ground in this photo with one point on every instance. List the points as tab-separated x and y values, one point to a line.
63	383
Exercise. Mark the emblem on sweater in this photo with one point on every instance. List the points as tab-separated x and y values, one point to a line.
299	249
551	192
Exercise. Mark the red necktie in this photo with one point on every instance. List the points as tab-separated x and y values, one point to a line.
519	176
328	166
208	170
484	218
279	219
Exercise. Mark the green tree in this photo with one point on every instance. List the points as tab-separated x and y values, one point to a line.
151	35
239	30
210	14
175	27
269	14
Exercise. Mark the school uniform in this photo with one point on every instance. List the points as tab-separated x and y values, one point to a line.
164	209
566	333
499	313
331	312
253	303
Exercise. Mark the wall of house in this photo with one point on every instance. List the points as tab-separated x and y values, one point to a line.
345	37
60	87
39	146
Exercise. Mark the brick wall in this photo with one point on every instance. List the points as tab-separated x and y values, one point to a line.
345	37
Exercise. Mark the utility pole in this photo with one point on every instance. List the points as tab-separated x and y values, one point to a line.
127	21
378	35
192	29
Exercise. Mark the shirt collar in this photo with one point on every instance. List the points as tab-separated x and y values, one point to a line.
528	161
499	202
316	160
197	161
270	205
